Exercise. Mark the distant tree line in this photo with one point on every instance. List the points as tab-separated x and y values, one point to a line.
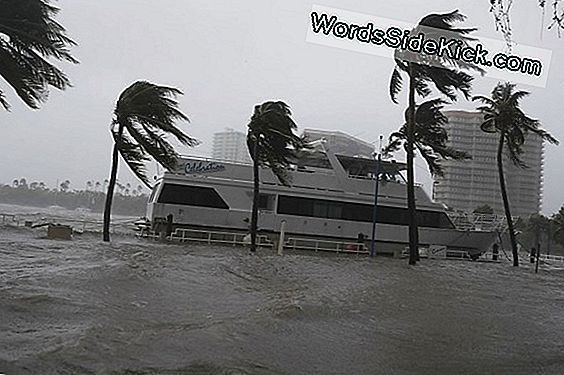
538	231
542	232
128	201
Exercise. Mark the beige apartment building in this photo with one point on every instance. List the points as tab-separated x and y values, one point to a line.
230	145
475	182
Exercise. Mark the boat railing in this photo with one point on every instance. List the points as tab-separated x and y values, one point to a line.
210	237
551	258
442	252
296	243
371	178
478	222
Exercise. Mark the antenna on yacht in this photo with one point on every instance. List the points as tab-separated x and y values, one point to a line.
378	157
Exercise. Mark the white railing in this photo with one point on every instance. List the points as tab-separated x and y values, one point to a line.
241	239
551	258
480	222
210	237
441	252
294	243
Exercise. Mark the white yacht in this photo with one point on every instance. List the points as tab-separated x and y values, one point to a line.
330	197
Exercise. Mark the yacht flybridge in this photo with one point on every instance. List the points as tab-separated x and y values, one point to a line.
330	197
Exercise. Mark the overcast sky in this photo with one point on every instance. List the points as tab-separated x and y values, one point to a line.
228	56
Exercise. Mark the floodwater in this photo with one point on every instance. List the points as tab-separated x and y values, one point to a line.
139	307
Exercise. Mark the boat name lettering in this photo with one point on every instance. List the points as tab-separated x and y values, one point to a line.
203	167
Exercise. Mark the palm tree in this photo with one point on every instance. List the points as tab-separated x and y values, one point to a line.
537	225
430	136
502	115
145	113
272	143
445	74
65	186
558	226
29	36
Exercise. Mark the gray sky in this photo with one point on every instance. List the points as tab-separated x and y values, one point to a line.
228	56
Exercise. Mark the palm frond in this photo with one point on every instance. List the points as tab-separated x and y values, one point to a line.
133	155
395	84
148	114
448	80
488	126
431	159
29	36
394	143
442	21
3	101
543	134
503	115
30	24
484	100
154	108
514	152
271	131
431	138
515	97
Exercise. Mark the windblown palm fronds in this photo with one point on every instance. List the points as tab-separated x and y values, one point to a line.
503	115
29	37
144	115
430	136
272	143
448	77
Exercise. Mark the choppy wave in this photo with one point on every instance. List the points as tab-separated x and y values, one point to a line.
136	307
81	220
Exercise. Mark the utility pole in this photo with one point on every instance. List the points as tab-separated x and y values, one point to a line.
538	256
378	157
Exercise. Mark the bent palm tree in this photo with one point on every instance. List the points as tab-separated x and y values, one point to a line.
145	113
430	136
503	116
28	37
446	76
272	143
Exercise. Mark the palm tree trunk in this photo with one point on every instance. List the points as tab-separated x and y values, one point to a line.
411	208
512	238
111	186
254	212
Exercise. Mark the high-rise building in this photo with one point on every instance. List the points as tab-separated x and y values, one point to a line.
230	145
341	143
469	184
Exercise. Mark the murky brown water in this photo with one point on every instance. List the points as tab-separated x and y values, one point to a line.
135	307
